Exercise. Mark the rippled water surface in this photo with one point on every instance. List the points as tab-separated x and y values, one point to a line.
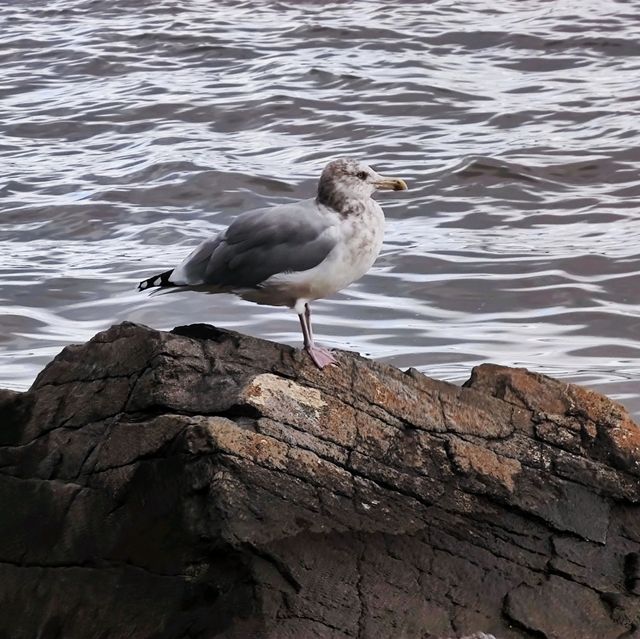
132	129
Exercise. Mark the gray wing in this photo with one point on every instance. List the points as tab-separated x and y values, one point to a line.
259	244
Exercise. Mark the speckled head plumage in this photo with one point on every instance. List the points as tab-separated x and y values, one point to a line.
346	182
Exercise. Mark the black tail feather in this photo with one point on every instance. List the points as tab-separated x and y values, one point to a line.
161	281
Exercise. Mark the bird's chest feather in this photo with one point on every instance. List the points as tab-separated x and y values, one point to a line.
362	235
358	239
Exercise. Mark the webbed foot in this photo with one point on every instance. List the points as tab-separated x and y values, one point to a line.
321	356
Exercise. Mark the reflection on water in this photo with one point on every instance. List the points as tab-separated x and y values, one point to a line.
131	130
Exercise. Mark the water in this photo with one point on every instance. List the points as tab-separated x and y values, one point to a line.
132	129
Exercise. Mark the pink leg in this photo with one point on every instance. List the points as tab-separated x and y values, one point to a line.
321	356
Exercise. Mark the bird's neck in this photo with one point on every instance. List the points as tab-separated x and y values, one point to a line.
341	202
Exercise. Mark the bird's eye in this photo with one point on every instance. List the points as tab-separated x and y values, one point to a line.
363	175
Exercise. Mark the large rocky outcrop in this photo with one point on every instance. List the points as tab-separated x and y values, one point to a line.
204	484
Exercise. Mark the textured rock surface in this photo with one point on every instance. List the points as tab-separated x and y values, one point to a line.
206	484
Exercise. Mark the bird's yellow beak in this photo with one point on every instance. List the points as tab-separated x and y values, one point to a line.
391	184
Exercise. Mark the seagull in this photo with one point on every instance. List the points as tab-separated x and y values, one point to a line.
293	254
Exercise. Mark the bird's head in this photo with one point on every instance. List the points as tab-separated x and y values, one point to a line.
345	180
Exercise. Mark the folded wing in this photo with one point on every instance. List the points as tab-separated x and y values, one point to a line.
259	244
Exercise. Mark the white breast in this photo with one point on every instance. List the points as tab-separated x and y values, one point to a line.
358	242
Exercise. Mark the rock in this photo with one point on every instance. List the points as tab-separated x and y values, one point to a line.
204	484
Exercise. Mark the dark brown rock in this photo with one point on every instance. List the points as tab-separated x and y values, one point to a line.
204	484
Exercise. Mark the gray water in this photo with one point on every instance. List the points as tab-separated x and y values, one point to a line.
131	130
